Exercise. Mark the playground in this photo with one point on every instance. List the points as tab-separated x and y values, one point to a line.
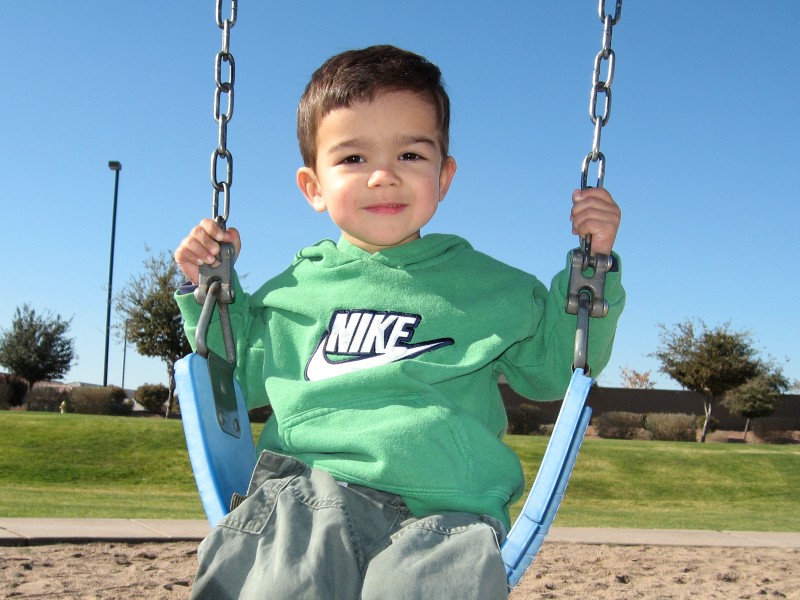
561	570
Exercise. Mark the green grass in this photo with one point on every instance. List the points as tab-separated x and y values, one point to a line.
676	485
54	465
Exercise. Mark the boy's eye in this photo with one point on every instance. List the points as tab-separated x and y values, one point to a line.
352	160
410	156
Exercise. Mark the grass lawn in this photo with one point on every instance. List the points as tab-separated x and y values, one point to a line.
676	485
54	465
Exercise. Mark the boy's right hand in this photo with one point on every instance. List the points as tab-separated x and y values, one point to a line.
201	246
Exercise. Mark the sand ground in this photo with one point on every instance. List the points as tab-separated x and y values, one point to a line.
562	570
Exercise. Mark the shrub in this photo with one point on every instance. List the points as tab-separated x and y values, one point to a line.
618	425
525	419
47	398
123	408
152	397
774	430
12	390
109	400
713	423
671	427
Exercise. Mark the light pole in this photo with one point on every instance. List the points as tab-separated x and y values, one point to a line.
116	167
124	354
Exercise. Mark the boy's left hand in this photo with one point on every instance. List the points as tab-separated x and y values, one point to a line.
595	213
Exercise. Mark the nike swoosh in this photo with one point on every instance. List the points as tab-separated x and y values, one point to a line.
319	367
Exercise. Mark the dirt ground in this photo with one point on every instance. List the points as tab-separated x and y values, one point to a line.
561	570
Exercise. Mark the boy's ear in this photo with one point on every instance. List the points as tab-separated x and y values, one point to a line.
446	175
309	184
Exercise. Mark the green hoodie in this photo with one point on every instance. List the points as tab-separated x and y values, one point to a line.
382	369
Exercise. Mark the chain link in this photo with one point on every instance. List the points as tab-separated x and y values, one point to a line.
585	297
601	86
215	285
224	87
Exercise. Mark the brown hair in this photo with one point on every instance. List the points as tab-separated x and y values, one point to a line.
359	76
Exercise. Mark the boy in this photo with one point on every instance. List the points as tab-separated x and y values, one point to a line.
383	473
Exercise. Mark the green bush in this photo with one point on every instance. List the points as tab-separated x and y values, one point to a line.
774	430
46	398
152	397
525	419
671	427
121	409
618	425
110	400
713	423
12	390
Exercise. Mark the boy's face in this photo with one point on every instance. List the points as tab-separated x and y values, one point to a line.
380	172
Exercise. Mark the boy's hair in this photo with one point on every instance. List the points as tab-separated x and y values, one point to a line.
360	76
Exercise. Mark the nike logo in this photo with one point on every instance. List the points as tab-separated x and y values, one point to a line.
362	339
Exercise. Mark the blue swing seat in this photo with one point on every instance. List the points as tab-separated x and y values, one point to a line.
223	463
529	530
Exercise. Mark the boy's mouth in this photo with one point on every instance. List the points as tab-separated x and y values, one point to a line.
386	209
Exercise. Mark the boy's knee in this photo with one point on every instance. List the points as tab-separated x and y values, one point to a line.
455	555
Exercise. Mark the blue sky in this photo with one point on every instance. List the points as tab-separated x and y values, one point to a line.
701	147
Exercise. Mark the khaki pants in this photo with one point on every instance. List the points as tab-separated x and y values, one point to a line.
301	535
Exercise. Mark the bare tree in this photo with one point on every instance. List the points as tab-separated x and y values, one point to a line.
633	379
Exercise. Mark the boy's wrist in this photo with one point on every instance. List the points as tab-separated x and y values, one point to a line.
187	288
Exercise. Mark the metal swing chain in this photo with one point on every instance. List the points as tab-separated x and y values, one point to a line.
601	87
588	273
215	286
223	88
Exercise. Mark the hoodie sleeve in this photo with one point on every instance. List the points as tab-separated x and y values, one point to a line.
539	366
249	333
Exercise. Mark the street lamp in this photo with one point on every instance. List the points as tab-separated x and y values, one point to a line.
124	355
116	167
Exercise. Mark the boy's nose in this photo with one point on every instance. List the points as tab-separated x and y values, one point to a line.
383	176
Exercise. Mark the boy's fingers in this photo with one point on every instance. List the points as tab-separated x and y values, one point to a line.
208	236
592	192
194	251
202	246
595	213
588	212
232	236
187	264
594	203
211	228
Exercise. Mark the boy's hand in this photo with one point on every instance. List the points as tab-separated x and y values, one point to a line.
201	246
595	213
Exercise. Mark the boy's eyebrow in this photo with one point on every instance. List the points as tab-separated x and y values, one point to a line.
357	143
354	143
415	139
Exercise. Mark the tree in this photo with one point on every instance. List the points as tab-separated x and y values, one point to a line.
632	379
757	397
151	316
152	396
710	362
36	347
